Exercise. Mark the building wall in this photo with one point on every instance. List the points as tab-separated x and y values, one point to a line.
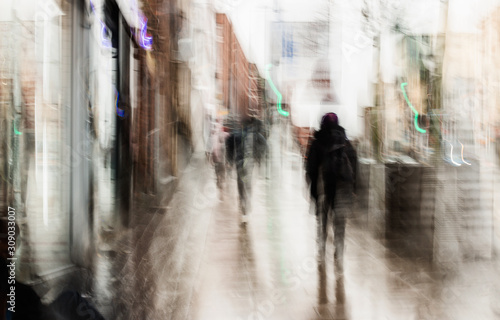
239	81
37	90
224	30
162	116
490	63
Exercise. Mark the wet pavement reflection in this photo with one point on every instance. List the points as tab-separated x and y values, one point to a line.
196	259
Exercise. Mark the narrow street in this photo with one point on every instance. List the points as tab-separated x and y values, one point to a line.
195	259
119	116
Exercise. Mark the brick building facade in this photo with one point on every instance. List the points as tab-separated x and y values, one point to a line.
240	85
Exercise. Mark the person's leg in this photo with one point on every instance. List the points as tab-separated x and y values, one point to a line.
342	212
249	167
338	239
240	172
219	172
322	230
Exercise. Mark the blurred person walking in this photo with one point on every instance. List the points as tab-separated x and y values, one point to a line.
218	151
246	145
331	173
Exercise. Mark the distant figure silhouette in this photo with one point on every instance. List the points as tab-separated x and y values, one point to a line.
331	173
246	145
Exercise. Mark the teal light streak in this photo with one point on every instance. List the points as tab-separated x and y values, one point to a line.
412	108
278	94
15	130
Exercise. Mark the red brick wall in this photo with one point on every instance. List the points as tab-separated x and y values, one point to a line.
225	52
236	73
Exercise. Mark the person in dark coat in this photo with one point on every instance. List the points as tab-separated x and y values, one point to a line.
331	194
246	145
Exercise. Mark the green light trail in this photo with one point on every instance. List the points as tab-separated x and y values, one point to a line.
278	94
15	130
412	108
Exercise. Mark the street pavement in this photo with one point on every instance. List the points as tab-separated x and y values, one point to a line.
195	259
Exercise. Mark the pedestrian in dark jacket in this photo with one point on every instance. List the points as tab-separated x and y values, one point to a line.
330	189
245	146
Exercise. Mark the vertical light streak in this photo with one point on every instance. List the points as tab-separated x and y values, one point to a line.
45	178
119	112
463	160
35	106
3	63
451	154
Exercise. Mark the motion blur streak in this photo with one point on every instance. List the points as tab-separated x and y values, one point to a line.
250	159
278	94
463	160
412	109
145	41
451	154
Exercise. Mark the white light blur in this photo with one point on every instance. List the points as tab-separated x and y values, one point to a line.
463	160
45	178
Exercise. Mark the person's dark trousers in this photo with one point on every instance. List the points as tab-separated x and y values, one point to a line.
70	305
220	172
322	224
340	208
339	223
327	210
242	176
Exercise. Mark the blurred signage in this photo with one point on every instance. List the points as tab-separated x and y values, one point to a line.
300	39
